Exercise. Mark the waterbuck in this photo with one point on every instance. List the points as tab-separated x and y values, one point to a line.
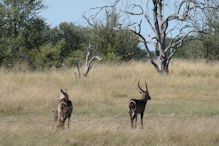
137	106
64	110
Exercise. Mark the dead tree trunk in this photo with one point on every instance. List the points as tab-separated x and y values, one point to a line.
78	69
159	26
88	62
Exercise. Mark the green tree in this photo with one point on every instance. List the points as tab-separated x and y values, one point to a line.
72	36
74	50
117	45
17	15
210	40
35	34
203	45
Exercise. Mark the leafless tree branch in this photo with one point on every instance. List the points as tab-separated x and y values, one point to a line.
185	14
88	63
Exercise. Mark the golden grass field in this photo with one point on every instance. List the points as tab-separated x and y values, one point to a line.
184	109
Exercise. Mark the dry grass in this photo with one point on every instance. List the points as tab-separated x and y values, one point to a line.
184	109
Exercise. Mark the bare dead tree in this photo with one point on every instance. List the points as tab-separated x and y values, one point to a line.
78	70
163	21
88	62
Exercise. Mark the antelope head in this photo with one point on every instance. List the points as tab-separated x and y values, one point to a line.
145	93
62	95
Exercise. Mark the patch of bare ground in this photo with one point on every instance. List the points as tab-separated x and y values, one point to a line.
159	130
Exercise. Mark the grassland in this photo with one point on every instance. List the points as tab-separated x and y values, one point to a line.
184	109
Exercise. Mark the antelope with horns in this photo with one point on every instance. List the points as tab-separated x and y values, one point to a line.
137	106
64	110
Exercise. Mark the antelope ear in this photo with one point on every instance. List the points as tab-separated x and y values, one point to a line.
62	91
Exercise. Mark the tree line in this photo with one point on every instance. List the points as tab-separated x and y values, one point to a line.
26	38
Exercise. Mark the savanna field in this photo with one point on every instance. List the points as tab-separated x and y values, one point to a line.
184	109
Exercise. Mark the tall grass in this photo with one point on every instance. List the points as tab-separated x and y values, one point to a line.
183	111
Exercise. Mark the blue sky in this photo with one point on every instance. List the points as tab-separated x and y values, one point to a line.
58	11
67	10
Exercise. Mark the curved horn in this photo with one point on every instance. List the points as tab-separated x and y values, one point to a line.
140	87
146	86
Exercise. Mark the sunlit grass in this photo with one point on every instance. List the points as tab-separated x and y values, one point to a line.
183	111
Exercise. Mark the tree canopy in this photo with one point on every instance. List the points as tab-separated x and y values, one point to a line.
26	38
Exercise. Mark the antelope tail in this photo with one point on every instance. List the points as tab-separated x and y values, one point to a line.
132	106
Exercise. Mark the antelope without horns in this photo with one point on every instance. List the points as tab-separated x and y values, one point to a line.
64	110
137	106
